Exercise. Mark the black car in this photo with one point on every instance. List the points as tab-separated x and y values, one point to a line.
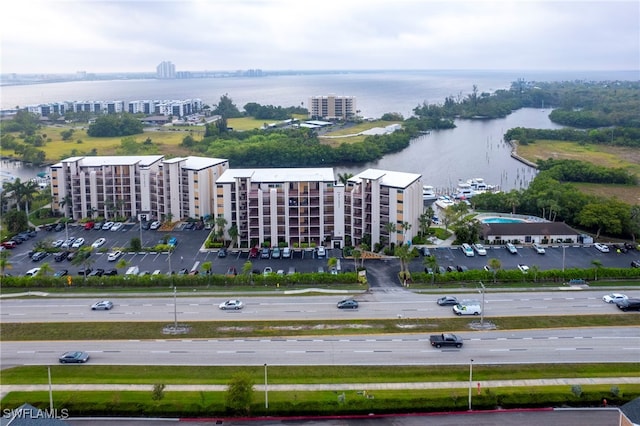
222	252
59	227
49	227
85	271
97	273
145	225
183	271
635	263
189	225
462	268
447	301
60	256
348	304
111	272
629	305
265	253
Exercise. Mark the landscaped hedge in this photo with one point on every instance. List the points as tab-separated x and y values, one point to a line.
300	403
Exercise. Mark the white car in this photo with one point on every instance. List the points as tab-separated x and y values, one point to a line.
107	226
155	225
512	249
32	272
57	243
602	247
113	256
68	243
99	242
479	248
231	304
267	271
538	248
117	226
322	252
614	297
78	243
523	268
103	305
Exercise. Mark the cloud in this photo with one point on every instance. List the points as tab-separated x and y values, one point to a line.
122	35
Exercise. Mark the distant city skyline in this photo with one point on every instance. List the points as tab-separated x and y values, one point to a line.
134	36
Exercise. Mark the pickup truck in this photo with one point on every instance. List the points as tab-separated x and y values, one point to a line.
445	339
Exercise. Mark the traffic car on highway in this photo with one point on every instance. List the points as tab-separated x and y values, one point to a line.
614	297
74	357
347	304
231	304
447	301
103	305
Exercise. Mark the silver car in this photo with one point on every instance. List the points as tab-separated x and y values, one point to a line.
103	305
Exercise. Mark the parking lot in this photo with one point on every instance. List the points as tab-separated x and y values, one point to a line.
189	252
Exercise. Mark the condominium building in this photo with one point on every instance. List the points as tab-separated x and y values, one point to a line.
176	108
376	198
332	107
299	207
135	186
166	69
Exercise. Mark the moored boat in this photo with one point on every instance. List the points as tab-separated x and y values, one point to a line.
428	193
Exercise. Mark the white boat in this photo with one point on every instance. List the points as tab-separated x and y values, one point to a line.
428	193
463	191
443	202
478	185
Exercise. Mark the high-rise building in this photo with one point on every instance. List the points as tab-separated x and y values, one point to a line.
166	70
332	107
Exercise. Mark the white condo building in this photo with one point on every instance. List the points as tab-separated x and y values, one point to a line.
375	198
332	107
135	186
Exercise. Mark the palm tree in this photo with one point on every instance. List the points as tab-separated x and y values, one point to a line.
45	269
357	254
494	264
84	259
4	261
597	264
344	178
247	268
390	228
332	262
28	194
221	222
405	227
233	234
363	248
14	190
206	267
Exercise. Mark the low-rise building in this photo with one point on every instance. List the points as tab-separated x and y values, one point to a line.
534	232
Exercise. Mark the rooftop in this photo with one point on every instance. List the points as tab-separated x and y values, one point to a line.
324	174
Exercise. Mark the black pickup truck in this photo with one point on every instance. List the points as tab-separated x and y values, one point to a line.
445	339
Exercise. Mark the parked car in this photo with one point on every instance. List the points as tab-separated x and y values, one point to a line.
99	242
233	304
107	226
96	272
61	273
103	305
60	256
523	268
188	226
447	301
88	226
68	242
265	253
538	248
479	248
424	251
275	253
98	226
635	263
57	243
145	225
85	271
462	268
286	253
222	252
117	226
231	271
32	272
511	248
78	243
267	271
38	256
76	357
253	253
347	304
322	252
9	244
111	272
614	297
113	256
59	227
173	241
602	247
155	225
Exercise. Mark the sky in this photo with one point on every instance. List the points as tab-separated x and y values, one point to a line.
105	36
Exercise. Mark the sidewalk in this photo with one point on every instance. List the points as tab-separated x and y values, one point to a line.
4	389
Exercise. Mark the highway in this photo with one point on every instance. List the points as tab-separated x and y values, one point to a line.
377	304
607	344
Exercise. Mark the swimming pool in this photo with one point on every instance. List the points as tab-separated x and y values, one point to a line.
502	220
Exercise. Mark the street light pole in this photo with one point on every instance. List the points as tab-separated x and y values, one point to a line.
482	308
175	309
470	380
266	389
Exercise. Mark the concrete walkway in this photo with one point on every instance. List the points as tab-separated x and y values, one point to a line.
4	389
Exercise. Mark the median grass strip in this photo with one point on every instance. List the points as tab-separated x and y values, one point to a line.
239	329
220	375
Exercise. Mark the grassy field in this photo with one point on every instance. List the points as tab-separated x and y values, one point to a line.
607	156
